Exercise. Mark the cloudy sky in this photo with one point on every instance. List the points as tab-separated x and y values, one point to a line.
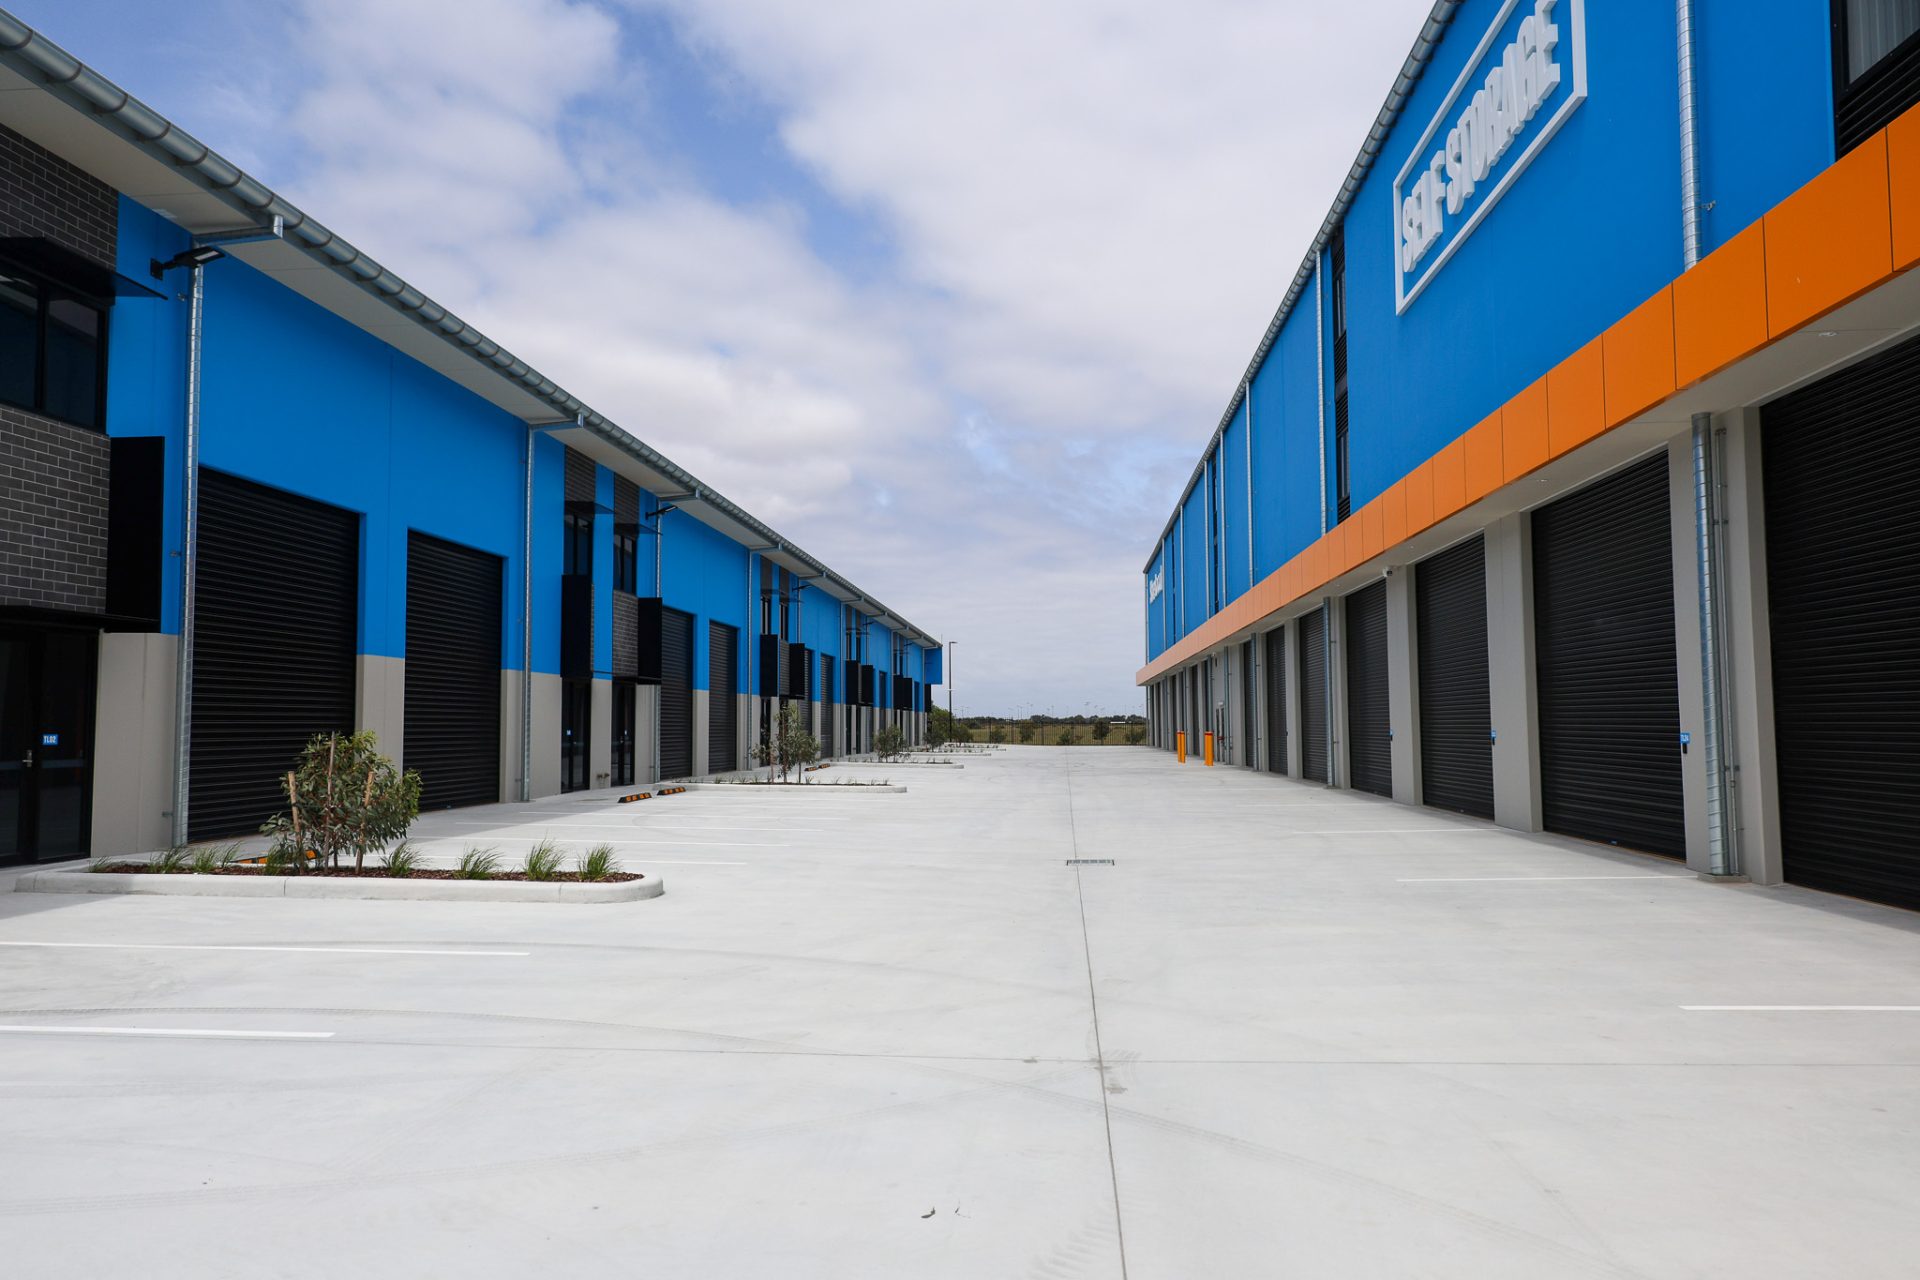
950	293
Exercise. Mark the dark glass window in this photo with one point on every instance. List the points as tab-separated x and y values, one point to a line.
1876	66
623	708
52	350
626	559
579	548
576	720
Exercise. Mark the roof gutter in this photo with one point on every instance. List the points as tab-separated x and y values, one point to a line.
1410	73
79	86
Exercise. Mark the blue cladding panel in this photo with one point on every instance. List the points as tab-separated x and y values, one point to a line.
936	668
1286	431
1190	608
1764	87
603	572
1233	506
706	575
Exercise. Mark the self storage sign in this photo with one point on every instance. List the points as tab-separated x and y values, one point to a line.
1524	79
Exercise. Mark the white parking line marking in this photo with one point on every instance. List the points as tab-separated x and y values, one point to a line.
693	862
1801	1008
1491	879
184	1032
321	951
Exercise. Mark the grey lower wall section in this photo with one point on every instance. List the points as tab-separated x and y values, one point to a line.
380	702
546	735
600	736
53	514
133	753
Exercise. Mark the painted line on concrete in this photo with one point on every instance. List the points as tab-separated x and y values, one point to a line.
693	862
1801	1008
1510	879
321	951
188	1033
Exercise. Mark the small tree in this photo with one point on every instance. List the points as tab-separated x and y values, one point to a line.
939	727
1026	731
790	747
343	797
1100	730
996	735
890	743
1066	737
1136	734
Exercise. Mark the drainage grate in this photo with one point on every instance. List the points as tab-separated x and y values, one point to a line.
1089	862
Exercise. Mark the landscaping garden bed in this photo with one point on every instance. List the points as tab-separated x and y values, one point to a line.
367	873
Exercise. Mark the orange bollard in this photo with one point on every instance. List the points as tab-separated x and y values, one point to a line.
1180	745
1209	748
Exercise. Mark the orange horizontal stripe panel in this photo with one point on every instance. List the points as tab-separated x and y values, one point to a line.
1903	188
1485	470
1830	240
1523	431
1639	358
1720	307
1576	399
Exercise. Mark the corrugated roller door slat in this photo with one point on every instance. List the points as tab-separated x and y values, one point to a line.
723	703
453	672
1842	478
827	710
676	693
1276	643
1369	713
1313	696
1604	652
276	613
1456	711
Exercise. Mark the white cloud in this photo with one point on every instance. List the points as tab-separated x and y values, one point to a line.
1092	206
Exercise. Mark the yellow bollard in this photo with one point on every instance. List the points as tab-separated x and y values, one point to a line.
1180	745
1209	748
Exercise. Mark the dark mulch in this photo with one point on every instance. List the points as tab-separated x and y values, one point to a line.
374	873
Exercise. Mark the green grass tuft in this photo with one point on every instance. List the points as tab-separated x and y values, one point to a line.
597	863
402	860
477	864
543	861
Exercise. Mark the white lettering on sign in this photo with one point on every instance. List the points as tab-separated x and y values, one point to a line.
1503	95
1155	583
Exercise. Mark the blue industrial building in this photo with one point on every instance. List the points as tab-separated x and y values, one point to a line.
1571	485
245	464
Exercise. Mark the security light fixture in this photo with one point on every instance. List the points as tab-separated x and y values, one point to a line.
198	255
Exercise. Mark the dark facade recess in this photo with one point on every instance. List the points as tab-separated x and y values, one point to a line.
676	693
851	670
576	626
1842	477
869	682
1369	713
1876	67
1250	747
136	543
774	675
275	625
827	715
1276	677
723	703
1313	696
800	671
453	672
649	631
1604	652
1456	710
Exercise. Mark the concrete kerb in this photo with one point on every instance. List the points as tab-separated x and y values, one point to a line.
354	887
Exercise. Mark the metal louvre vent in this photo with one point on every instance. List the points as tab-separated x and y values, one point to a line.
723	704
676	693
277	612
1608	674
1313	696
453	672
1276	642
1456	711
1369	712
1842	477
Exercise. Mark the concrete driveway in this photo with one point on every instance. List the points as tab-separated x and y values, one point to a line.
1289	1032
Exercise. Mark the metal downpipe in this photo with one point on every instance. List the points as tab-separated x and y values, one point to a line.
1320	382
526	630
1689	147
189	560
1723	858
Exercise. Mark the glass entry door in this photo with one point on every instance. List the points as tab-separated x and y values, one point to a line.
46	742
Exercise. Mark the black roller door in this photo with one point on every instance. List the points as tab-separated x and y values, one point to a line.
1456	712
1842	466
1276	643
453	672
1604	652
1249	732
1369	712
676	693
828	713
1313	696
723	702
276	610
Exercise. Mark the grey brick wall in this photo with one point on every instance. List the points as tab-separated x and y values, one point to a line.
53	514
43	195
626	634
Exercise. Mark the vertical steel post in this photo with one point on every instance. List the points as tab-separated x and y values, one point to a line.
189	559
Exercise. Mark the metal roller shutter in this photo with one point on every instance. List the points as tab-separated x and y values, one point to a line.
453	672
828	712
1313	696
1369	713
723	704
1604	653
1842	468
276	614
1456	712
676	693
1277	700
1249	731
